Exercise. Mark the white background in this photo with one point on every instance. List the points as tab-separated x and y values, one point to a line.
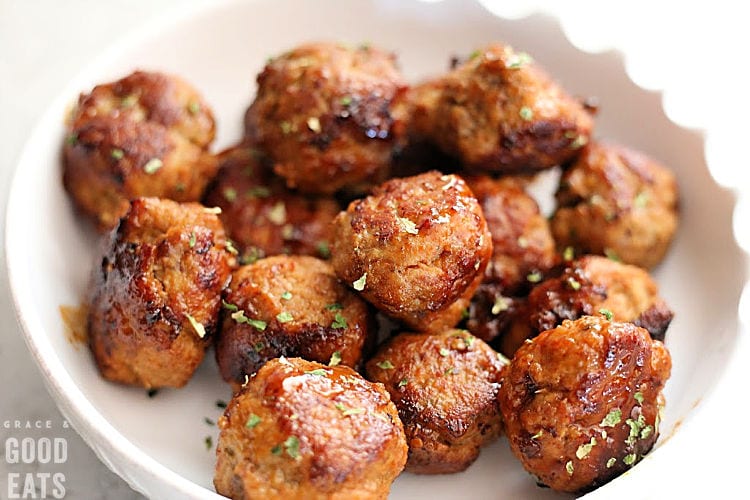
697	52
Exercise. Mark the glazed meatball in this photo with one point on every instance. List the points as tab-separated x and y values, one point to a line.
499	112
591	285
262	216
618	202
144	135
322	113
445	388
580	403
302	430
416	248
290	306
155	297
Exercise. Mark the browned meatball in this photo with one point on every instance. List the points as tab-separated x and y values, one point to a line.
155	297
322	113
302	430
144	135
499	112
445	388
591	285
262	216
581	403
618	202
416	248
290	306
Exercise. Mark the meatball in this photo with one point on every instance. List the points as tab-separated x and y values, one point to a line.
499	112
590	285
290	306
144	135
416	248
262	216
445	388
322	113
581	403
155	298
618	202
301	430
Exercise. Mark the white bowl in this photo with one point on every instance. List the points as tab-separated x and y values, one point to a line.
157	445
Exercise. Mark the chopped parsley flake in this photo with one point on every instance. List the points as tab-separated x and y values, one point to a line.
259	346
239	316
209	442
258	324
230	194
286	127
252	421
385	365
518	60
286	295
117	154
636	426
334	307
584	450
606	313
501	304
199	328
348	411
526	113
407	225
444	352
221	404
194	107
534	277
569	467
537	435
613	418
313	123
475	54
318	372
360	284
568	253
640	200
129	101
284	317
611	255
212	210
403	382
451	371
287	232
465	314
629	459
339	321
574	284
152	166
208	421
292	446
229	247
258	192
323	250
611	462
251	255
276	450
346	100
335	359
638	396
191	241
277	214
579	142
646	431
72	139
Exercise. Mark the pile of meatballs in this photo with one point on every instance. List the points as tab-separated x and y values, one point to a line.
380	290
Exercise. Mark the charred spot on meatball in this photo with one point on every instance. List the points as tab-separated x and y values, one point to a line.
416	249
262	216
300	429
581	402
445	387
322	113
290	306
617	202
499	112
155	298
144	135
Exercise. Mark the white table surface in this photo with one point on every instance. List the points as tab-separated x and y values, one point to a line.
44	43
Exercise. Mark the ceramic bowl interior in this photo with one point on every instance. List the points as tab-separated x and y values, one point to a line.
158	444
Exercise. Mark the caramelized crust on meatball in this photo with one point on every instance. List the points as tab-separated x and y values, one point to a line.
302	430
144	135
618	202
262	216
416	248
591	285
580	403
499	112
290	306
445	387
322	113
155	298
